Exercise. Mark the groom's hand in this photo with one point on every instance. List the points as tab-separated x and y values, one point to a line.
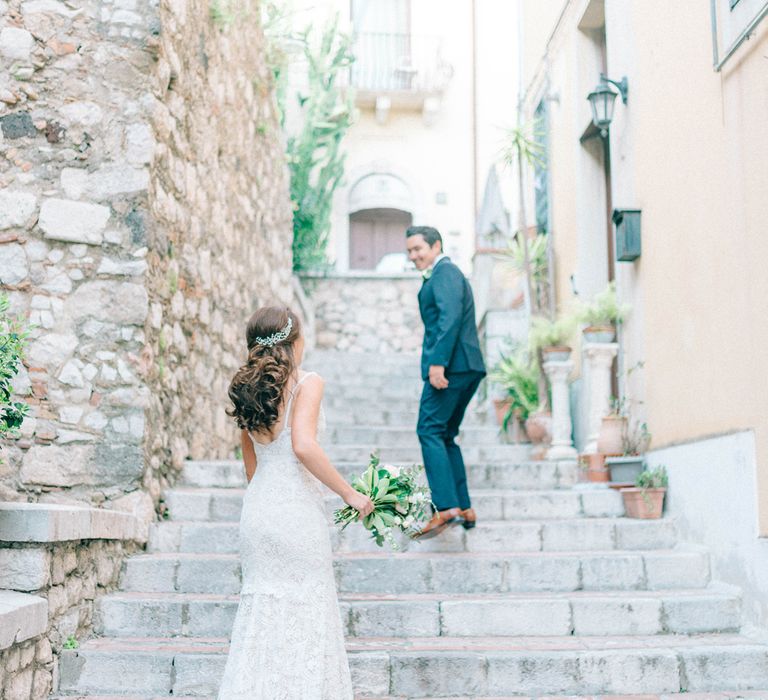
437	377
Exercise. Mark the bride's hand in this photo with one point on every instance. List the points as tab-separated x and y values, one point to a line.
359	502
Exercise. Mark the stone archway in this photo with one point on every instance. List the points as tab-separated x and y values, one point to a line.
380	208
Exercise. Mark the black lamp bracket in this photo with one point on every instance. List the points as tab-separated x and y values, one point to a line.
622	85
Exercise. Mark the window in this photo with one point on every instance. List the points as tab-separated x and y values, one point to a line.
382	44
732	22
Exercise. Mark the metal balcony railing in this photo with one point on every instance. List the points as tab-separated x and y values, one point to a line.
398	63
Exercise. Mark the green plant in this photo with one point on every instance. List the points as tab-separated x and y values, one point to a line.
635	439
518	374
656	478
521	149
71	643
13	338
225	13
539	268
315	159
604	309
545	333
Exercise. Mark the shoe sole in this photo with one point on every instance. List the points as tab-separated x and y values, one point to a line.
437	530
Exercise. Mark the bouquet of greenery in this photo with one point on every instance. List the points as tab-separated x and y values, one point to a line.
399	501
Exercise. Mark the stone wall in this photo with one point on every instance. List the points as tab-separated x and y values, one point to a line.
143	213
70	576
366	313
221	238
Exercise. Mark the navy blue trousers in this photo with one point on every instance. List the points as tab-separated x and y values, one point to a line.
440	414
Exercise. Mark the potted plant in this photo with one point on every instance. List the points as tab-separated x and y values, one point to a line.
593	465
613	427
518	375
552	338
602	315
627	467
646	499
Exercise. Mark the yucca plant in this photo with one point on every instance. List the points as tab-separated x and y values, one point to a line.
521	149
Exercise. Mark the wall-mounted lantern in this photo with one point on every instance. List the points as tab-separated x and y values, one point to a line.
602	100
627	223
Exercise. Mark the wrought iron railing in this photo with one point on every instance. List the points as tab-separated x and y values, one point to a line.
398	63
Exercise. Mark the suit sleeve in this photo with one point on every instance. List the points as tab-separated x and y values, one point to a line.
449	296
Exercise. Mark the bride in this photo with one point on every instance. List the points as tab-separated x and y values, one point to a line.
287	639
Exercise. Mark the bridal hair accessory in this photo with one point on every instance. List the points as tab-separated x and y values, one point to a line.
278	337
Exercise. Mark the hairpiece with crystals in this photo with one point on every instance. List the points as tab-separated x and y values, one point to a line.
278	337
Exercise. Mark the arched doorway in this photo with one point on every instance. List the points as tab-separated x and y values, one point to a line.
380	209
374	233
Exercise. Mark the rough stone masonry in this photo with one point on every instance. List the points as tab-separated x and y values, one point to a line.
144	211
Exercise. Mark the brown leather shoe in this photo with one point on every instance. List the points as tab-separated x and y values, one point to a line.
440	520
470	518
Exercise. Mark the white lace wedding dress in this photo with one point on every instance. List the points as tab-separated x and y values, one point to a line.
287	639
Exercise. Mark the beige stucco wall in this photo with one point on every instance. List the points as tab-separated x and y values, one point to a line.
699	149
690	150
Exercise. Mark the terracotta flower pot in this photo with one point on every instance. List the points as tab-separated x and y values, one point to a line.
538	427
556	353
643	503
501	407
599	334
610	438
595	467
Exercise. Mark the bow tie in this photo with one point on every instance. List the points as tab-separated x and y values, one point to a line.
426	274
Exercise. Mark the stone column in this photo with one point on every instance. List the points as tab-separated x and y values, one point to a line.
597	358
562	446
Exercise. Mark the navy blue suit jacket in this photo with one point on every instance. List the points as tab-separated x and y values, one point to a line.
447	309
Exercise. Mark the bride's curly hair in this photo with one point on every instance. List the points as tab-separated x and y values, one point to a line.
258	389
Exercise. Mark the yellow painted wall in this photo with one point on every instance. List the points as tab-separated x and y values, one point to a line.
691	150
701	177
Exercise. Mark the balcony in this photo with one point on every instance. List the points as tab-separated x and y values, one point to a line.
404	71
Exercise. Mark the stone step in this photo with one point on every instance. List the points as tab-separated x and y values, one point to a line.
223	505
718	695
339	413
390	452
411	572
444	666
569	535
372	435
714	609
522	475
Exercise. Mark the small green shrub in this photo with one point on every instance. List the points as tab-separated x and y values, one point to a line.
13	338
653	478
545	333
604	309
518	374
71	643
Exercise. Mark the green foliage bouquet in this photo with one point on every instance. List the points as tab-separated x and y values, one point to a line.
399	501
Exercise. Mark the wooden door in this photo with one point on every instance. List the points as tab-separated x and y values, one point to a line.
373	233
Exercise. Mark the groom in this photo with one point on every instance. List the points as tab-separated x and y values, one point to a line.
451	367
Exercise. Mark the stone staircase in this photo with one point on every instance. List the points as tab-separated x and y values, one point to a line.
554	593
